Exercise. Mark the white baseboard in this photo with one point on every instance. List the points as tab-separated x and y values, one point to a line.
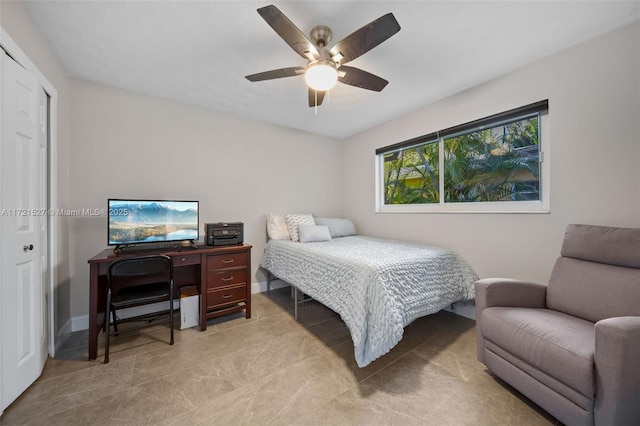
82	322
261	286
65	329
63	334
465	309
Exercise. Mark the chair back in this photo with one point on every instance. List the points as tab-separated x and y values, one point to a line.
598	273
140	270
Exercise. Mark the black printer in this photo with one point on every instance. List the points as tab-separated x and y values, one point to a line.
224	233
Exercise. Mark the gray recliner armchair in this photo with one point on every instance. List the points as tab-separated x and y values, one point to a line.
572	347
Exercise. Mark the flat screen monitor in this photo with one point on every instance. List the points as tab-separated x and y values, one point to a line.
151	221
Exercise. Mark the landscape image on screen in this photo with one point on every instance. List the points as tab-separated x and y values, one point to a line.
133	221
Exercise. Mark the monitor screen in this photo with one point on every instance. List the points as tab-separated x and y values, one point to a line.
148	221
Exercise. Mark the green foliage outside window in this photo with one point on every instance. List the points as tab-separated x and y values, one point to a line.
500	163
412	175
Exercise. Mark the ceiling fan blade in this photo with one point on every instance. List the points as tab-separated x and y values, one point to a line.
279	73
359	78
289	32
312	97
364	39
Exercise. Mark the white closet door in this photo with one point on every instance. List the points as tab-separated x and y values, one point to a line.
23	221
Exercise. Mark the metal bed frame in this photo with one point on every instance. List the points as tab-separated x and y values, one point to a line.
294	293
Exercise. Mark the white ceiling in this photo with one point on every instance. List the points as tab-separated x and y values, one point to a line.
198	52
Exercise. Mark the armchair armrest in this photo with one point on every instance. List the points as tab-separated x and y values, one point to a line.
505	292
617	369
509	292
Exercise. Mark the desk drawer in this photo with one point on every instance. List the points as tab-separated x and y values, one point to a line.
186	259
226	277
227	296
223	261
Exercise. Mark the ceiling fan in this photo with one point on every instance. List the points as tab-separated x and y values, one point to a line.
326	66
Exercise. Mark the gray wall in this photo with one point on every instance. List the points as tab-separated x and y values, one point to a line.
594	95
125	144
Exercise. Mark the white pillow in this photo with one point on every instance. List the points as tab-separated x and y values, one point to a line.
337	227
293	220
313	233
277	227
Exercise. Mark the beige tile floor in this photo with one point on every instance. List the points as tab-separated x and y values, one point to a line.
271	369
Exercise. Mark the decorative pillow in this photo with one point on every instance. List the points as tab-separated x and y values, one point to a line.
313	233
337	227
293	220
277	227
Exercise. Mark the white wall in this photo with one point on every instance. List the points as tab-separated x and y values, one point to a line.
125	144
594	96
17	23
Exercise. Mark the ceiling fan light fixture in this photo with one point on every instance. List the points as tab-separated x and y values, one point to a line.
321	76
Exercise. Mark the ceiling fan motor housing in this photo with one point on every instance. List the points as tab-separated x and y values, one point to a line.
321	35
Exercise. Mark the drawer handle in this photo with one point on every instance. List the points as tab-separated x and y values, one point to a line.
184	259
227	296
227	261
227	278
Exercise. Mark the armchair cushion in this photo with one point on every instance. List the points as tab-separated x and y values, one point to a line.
593	291
560	345
602	244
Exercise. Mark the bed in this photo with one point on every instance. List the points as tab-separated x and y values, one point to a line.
377	286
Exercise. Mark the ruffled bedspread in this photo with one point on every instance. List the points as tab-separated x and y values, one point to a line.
376	286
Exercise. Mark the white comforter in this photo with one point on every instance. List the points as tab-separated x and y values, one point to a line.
377	286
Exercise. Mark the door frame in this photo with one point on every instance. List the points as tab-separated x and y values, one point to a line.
12	48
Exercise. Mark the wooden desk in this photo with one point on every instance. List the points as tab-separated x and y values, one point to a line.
222	274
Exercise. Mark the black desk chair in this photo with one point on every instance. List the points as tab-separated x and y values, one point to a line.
137	281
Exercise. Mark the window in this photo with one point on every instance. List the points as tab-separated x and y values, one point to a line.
488	165
412	175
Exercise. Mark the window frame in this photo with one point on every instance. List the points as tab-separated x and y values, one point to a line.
535	206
